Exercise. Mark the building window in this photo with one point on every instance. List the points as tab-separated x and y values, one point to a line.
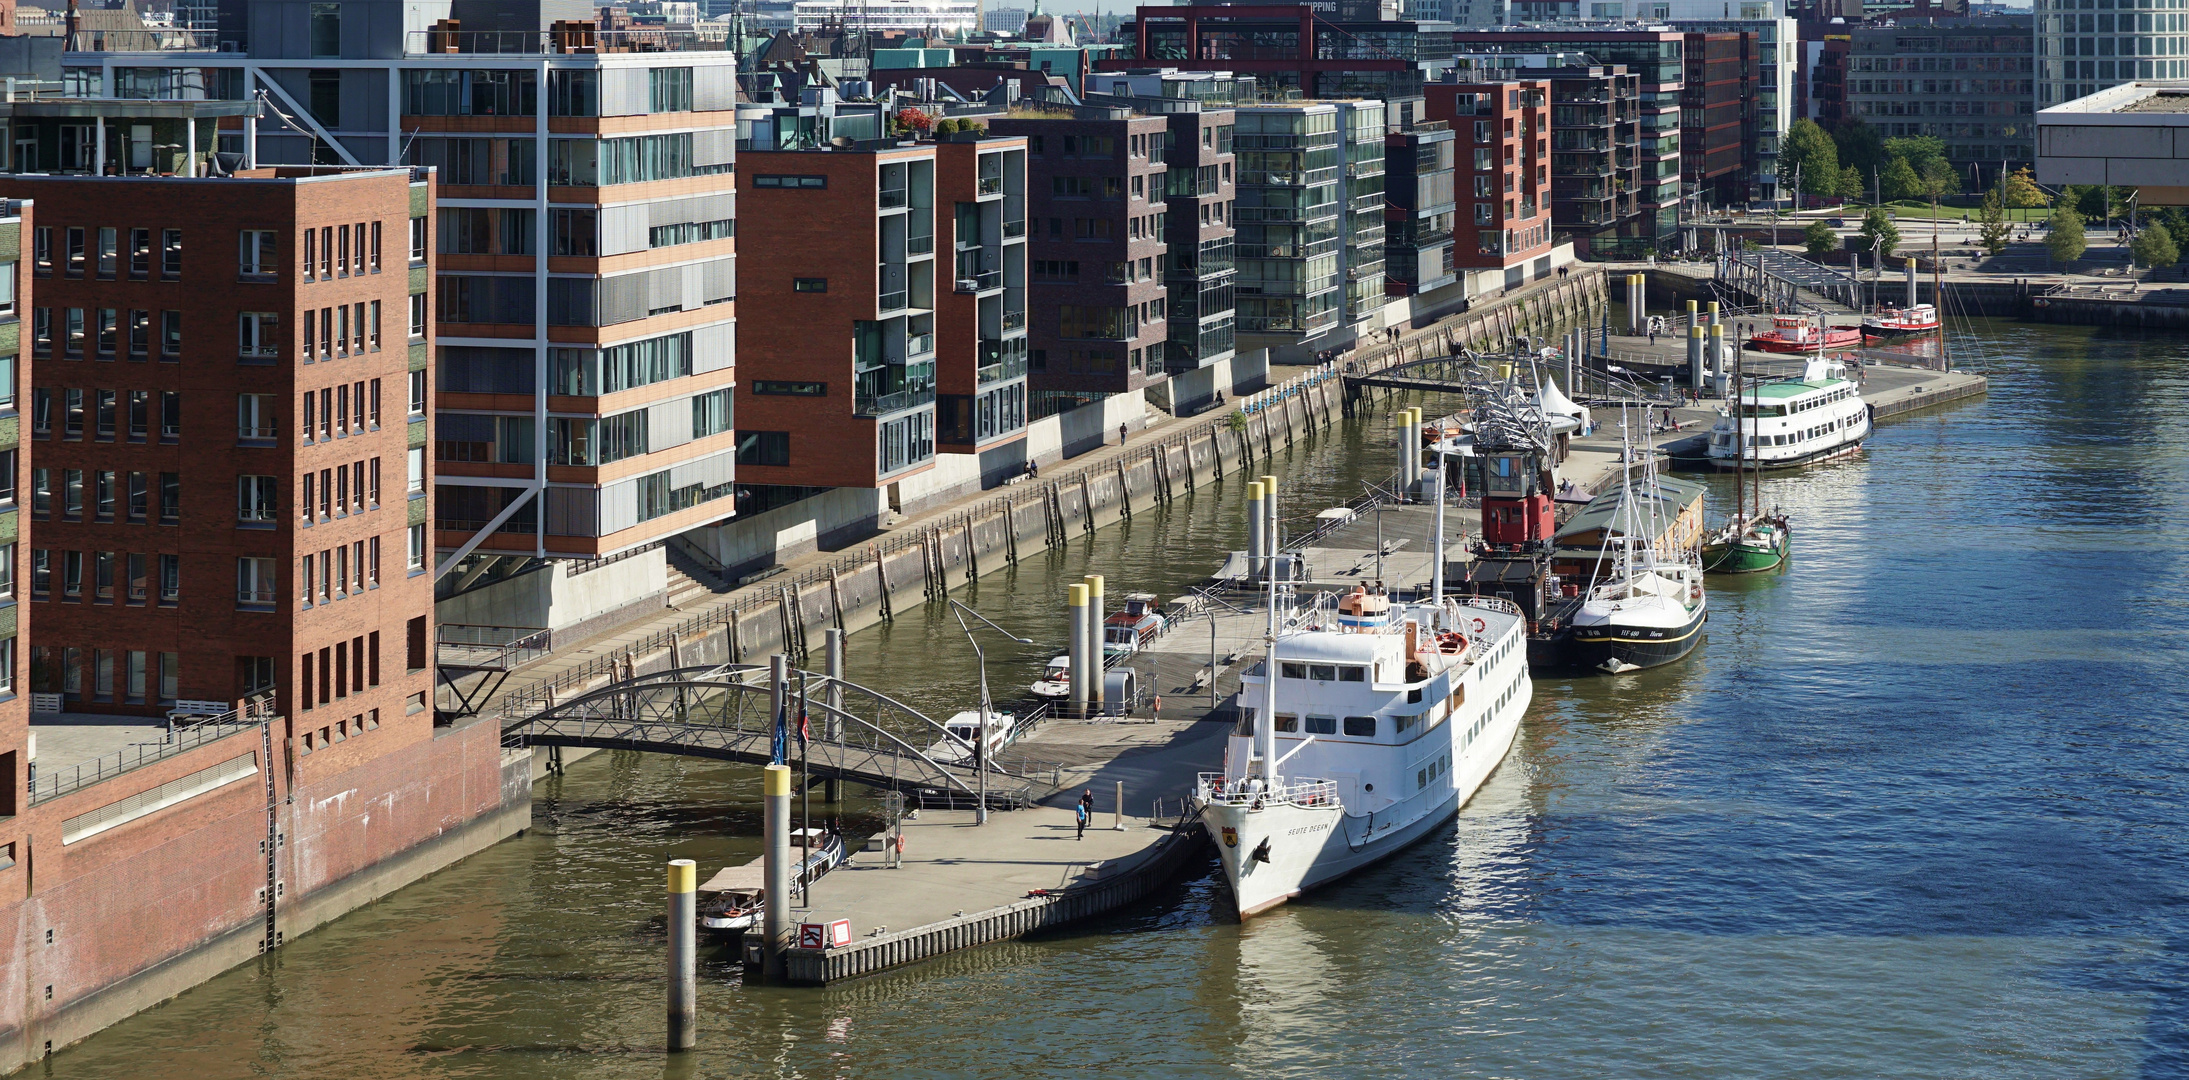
778	388
258	335
171	253
256	251
809	285
763	448
256	499
415	560
170	579
170	335
255	416
669	90
326	30
418	317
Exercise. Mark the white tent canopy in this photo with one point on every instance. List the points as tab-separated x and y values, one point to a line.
1554	403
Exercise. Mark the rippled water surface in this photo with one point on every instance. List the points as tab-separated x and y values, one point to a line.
1916	809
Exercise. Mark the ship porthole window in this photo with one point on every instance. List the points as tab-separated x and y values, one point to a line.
1352	674
1323	672
1322	725
1364	726
1287	722
1292	671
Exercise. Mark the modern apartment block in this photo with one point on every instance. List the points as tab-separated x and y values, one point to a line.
1775	74
1310	241
584	316
1655	60
982	332
1718	121
16	215
228	475
2081	50
1200	194
1419	181
1097	210
890	278
1967	81
1505	155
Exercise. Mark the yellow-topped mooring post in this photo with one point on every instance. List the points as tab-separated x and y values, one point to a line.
777	930
683	954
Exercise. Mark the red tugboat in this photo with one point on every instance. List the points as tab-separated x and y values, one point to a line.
1901	321
1803	334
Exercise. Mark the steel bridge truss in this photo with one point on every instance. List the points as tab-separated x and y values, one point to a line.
726	712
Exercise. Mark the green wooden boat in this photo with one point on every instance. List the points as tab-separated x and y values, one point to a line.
1761	543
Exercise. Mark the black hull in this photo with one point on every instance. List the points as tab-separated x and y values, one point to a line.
1596	648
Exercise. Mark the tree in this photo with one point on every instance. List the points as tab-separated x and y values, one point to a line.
1878	232
1809	153
2154	247
1940	178
1851	183
1918	150
1900	181
2020	191
1820	239
1860	148
1994	228
2065	241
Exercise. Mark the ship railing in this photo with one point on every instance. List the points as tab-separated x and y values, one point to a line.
1496	603
1216	788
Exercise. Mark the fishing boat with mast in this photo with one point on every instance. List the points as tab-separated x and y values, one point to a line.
1749	542
1649	610
1370	721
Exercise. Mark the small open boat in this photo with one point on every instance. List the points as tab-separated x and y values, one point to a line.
737	896
1126	631
1056	679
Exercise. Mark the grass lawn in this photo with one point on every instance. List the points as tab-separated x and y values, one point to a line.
1910	208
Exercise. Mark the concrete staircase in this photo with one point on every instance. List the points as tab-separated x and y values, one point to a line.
693	583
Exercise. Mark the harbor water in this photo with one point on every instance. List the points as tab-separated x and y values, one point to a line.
1917	808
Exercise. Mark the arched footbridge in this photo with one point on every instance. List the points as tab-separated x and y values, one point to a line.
726	712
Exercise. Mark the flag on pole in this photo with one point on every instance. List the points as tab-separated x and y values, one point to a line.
805	730
779	745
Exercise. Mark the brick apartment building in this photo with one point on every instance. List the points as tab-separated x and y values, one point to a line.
1648	163
1356	50
1200	194
228	474
1096	257
1503	147
886	273
15	538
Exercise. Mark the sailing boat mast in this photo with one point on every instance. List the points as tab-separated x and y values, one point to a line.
1265	725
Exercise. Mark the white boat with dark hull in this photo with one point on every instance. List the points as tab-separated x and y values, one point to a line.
1650	613
1793	422
1650	609
1382	718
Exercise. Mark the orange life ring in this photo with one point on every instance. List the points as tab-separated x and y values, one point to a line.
1480	626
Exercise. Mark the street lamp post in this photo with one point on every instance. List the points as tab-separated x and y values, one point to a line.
987	708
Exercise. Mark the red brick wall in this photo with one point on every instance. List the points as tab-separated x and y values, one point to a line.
207	628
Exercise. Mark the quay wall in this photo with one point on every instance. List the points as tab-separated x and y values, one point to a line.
94	928
1107	891
1027	518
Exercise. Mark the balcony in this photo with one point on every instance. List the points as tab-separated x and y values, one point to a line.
981	282
1014	229
1000	361
892	301
866	404
919	345
991	185
919	245
1014	320
891	198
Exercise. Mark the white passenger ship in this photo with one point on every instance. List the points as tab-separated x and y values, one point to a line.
1383	719
1794	421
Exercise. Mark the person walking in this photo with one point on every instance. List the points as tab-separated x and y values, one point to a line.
1120	434
1085	810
